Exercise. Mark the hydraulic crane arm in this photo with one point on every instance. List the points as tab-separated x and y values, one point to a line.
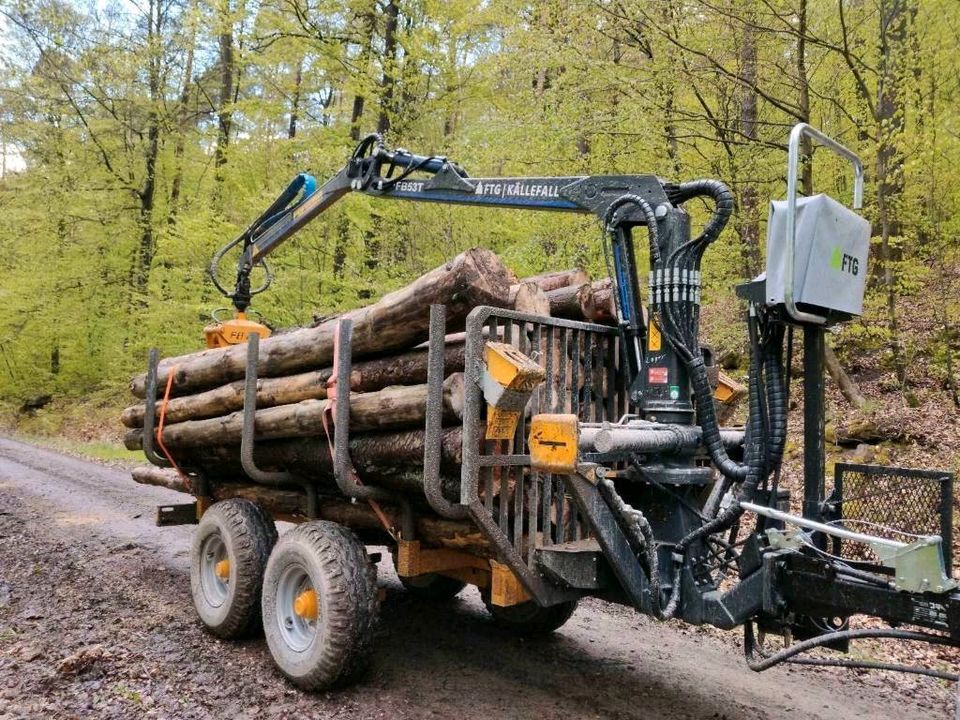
620	201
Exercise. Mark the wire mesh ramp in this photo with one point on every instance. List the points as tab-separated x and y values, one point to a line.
521	510
891	502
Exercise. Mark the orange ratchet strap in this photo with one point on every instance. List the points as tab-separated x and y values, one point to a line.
159	431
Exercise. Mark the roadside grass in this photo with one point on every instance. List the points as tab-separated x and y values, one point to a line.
100	450
87	427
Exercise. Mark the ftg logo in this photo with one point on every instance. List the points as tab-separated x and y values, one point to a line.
843	262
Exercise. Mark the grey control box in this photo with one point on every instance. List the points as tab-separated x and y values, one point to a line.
830	255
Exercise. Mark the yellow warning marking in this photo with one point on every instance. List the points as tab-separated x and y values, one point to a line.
654	338
554	443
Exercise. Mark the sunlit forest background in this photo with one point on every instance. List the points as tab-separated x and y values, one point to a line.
138	136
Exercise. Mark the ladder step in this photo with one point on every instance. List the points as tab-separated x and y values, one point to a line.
578	564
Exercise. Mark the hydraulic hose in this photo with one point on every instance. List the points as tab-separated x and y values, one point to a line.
723	209
648	214
777	399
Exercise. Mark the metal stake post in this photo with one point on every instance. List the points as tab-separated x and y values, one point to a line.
814	454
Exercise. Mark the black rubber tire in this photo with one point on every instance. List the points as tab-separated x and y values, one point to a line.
431	586
248	534
529	618
345	581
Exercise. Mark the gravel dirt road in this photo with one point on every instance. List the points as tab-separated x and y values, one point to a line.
96	621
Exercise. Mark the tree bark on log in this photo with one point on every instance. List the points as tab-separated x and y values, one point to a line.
393	407
292	504
374	455
558	279
398	320
602	308
572	301
370	375
393	460
371	452
527	297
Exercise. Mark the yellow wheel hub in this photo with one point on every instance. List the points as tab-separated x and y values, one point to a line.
222	570
306	605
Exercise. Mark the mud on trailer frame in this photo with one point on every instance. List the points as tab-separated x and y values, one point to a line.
592	460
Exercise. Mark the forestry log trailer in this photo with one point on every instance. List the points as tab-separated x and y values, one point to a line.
592	459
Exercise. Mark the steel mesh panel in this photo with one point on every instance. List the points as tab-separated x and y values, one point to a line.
894	503
582	368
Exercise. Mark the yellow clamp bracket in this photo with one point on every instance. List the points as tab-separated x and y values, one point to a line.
233	332
508	379
553	443
728	391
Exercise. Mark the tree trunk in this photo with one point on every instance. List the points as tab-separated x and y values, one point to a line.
389	62
527	297
391	459
227	78
295	101
400	319
368	21
749	222
373	454
182	115
571	302
147	248
559	278
894	42
803	101
847	386
370	375
602	308
393	407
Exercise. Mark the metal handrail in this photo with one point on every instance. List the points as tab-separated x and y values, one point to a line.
799	131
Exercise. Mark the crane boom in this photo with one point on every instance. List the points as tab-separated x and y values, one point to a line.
621	202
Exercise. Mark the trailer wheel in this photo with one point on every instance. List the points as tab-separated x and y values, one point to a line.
320	605
229	553
431	586
529	618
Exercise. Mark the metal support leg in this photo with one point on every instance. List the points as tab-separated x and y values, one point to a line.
616	548
814	455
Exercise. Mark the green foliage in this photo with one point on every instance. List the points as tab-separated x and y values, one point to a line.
118	183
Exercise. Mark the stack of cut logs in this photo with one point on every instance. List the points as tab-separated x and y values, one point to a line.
203	412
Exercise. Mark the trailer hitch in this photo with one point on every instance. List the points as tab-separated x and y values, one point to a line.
918	566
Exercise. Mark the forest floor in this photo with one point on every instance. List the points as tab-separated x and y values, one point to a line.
96	620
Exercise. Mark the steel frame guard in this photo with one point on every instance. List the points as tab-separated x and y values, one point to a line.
544	592
801	130
248	435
